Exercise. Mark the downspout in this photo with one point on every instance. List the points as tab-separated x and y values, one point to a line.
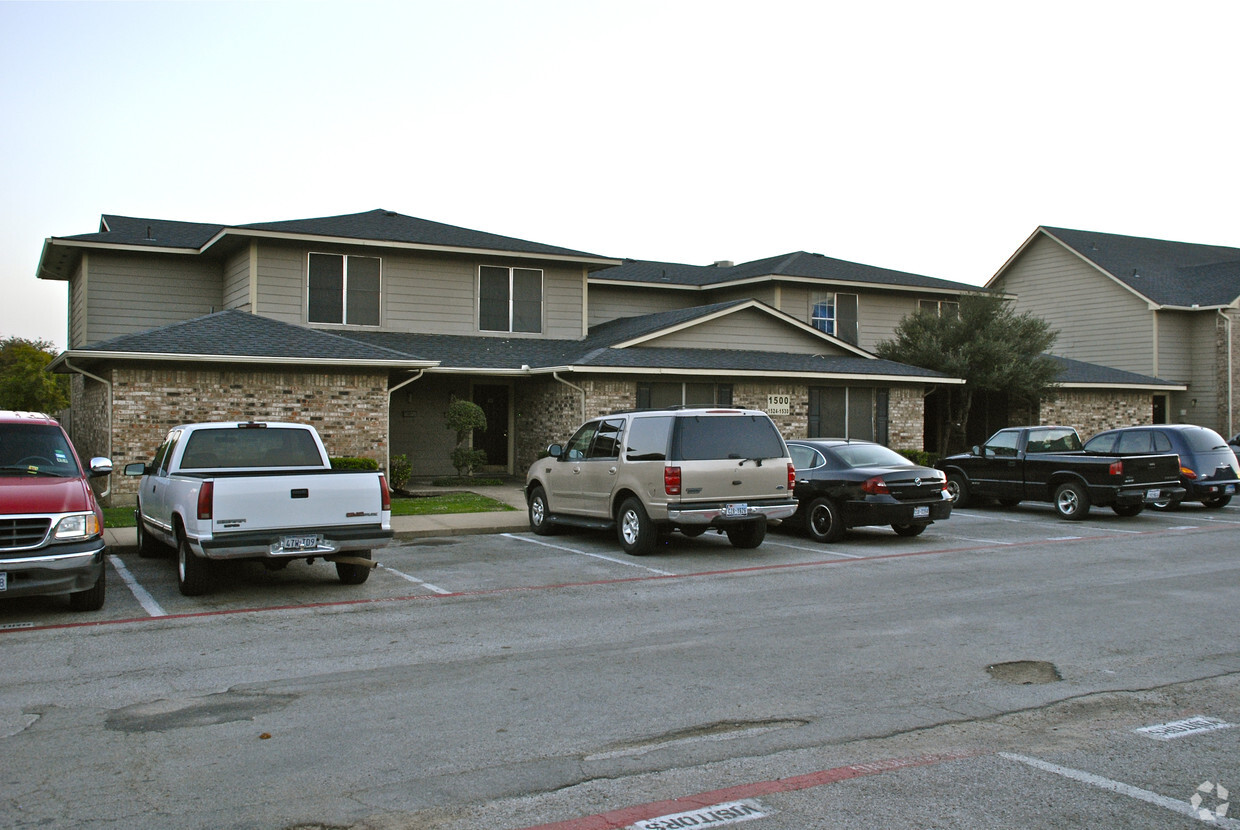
388	461
556	375
1231	426
107	384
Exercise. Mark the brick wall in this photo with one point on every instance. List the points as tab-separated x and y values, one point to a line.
1091	412
349	409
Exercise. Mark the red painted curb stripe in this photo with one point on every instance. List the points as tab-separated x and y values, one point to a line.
628	815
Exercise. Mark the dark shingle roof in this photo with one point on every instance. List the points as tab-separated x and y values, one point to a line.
1077	371
798	264
235	334
1169	273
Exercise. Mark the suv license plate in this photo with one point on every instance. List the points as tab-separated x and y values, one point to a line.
921	512
300	542
1153	495
735	511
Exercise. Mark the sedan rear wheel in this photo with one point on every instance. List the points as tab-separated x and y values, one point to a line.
823	521
908	530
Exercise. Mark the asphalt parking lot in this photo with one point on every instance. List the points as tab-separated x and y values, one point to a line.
1047	744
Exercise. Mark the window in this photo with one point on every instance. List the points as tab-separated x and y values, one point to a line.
663	395
835	314
940	308
343	289
849	412
607	442
648	437
509	299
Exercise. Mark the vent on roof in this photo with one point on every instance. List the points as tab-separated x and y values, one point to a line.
389	213
724	263
149	238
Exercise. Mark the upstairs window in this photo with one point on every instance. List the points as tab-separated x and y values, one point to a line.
343	289
940	308
835	314
509	299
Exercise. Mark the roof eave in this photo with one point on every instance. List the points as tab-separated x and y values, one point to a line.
95	355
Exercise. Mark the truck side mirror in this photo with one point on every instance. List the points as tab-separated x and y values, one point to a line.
137	468
100	467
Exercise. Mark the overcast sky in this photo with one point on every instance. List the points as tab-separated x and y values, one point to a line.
931	138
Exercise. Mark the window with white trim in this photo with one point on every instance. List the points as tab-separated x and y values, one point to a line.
509	299
343	289
940	308
835	314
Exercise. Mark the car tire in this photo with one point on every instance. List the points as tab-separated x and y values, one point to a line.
747	535
1127	510
823	521
92	598
958	489
634	529
538	512
909	530
1071	501
193	572
1216	502
694	531
148	546
1166	504
351	574
1008	503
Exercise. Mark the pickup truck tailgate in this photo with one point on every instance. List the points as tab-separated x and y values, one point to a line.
1151	469
312	500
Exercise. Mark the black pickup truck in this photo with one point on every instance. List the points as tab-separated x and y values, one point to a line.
1047	463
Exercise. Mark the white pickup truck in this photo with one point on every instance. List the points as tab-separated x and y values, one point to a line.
254	490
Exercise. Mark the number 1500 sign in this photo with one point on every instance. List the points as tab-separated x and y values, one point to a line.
779	404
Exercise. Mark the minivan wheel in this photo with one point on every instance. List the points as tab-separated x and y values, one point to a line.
635	530
747	535
1215	502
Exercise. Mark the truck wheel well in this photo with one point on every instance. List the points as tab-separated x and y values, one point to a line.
618	499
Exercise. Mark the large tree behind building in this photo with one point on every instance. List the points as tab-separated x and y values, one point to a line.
990	346
25	382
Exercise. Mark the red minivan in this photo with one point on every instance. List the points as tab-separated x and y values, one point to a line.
51	525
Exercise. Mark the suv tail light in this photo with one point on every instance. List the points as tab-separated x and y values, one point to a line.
206	499
385	496
671	481
792	477
875	486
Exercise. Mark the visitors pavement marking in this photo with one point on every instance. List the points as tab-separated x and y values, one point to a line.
1179	728
586	553
1184	808
143	596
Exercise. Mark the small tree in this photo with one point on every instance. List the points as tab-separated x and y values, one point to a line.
463	417
990	346
25	382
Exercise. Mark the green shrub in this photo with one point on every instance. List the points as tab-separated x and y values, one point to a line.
399	470
925	459
353	463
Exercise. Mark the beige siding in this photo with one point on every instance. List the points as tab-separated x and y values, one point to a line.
612	303
1098	320
763	292
237	280
281	277
878	312
750	329
77	305
127	294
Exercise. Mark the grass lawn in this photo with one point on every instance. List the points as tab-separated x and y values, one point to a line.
401	506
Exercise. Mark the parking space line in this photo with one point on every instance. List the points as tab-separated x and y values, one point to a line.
143	596
1182	807
586	553
414	580
813	550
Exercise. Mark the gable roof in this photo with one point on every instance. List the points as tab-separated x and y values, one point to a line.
237	336
1175	274
374	227
794	267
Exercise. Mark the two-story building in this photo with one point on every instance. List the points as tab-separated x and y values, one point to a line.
1162	309
367	325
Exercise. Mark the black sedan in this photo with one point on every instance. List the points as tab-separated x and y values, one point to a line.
843	484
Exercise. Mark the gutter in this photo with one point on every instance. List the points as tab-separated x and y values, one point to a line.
388	461
1231	426
107	384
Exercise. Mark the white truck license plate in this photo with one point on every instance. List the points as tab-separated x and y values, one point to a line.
922	512
300	542
733	511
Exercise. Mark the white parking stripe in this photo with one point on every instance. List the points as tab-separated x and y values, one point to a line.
587	553
414	580
139	593
813	550
1181	807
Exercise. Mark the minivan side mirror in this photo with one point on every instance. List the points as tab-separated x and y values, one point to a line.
100	467
137	468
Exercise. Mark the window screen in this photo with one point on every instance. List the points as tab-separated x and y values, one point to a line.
326	288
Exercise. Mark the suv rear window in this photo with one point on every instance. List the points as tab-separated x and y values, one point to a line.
711	437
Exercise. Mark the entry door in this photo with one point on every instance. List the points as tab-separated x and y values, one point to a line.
494	400
1160	409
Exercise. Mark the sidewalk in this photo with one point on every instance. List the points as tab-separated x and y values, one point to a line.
417	527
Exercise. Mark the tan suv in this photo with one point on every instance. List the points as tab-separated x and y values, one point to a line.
660	470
